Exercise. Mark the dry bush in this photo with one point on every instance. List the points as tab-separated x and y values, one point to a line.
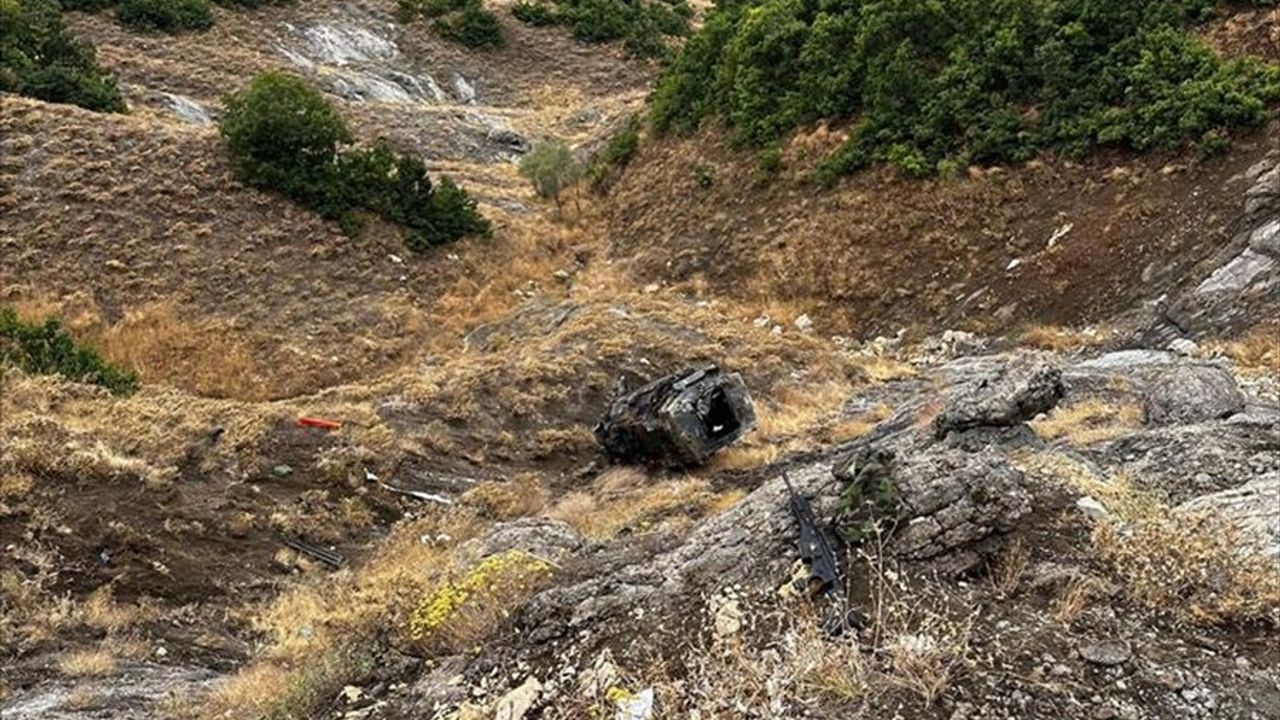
913	643
93	662
1088	422
15	485
522	496
880	368
1256	352
1196	567
1058	338
318	630
1008	570
1075	599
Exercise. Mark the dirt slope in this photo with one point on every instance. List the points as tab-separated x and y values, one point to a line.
1054	242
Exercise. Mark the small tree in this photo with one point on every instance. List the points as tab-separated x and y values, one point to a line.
283	135
551	168
39	58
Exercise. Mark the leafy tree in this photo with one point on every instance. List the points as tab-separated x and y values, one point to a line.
930	84
283	135
46	349
550	167
171	16
40	59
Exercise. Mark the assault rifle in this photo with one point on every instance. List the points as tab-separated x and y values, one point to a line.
815	549
824	568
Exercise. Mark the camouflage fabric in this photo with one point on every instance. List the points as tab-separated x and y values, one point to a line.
868	504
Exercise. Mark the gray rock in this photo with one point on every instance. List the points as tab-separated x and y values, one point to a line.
1107	653
544	537
1254	506
952	500
1192	393
1011	395
135	692
187	109
1266	239
1265	193
1238	274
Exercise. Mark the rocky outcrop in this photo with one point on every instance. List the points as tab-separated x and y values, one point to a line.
1192	393
952	501
1254	506
1002	396
1246	280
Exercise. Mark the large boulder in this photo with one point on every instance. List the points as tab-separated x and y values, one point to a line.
952	500
1192	393
1005	397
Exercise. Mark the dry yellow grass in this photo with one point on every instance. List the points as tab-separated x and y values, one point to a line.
1009	569
611	507
521	496
1088	422
1058	338
1257	352
1196	567
15	485
316	628
93	662
1075	599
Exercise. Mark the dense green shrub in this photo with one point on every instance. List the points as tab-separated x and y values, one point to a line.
463	21
171	16
644	25
534	13
40	59
930	82
283	135
472	26
46	349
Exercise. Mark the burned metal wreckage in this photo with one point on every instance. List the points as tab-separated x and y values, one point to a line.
679	420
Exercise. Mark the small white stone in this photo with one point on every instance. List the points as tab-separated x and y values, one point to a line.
1091	508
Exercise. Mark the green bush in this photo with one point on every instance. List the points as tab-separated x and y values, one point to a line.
473	26
40	59
643	25
46	349
935	83
550	167
539	14
86	5
171	16
463	21
283	135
